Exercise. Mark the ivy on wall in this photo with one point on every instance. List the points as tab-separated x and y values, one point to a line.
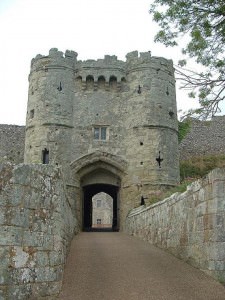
183	129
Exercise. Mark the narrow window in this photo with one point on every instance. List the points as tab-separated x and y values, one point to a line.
103	133
99	202
31	113
96	133
45	156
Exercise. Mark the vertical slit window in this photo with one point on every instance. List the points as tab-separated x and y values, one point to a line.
45	156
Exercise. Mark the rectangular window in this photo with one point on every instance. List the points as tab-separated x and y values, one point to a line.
99	203
103	133
100	133
96	133
99	221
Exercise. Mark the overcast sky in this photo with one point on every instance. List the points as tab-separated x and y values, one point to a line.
93	28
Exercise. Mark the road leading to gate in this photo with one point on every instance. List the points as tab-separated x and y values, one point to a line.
114	266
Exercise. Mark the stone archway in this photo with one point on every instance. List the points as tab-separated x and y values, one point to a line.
98	172
88	192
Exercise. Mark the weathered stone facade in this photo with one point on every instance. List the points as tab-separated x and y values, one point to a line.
36	226
189	225
106	111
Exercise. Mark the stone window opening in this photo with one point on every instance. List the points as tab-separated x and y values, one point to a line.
45	156
99	203
100	133
171	114
167	91
31	113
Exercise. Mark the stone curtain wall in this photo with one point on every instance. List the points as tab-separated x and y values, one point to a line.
190	225
36	226
204	138
12	140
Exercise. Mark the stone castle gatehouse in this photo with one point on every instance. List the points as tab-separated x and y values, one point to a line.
110	125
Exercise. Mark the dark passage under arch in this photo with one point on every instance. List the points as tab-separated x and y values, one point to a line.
88	192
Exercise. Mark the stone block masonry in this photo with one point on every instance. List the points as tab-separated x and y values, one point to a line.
36	226
190	225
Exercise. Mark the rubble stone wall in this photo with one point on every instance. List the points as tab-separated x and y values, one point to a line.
204	138
36	227
189	225
12	141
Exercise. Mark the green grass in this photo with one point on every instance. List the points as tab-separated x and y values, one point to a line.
183	129
190	170
198	167
167	192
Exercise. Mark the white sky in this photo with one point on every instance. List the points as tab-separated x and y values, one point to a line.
93	28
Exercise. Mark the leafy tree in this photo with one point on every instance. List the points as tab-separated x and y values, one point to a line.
204	23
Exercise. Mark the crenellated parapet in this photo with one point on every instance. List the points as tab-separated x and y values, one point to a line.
106	71
55	60
102	72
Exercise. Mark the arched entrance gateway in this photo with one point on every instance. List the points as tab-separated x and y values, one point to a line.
91	190
95	173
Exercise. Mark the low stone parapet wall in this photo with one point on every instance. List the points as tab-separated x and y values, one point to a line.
36	227
190	225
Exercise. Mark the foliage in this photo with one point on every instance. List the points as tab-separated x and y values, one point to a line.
180	188
183	129
197	167
190	170
204	22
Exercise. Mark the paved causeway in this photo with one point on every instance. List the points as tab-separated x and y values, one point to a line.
114	266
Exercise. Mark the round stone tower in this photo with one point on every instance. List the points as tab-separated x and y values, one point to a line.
151	124
50	108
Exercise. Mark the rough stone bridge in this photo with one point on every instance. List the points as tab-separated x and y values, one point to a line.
114	266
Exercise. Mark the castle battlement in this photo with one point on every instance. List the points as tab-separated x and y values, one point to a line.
107	67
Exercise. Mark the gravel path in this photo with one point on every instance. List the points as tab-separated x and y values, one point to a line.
114	266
